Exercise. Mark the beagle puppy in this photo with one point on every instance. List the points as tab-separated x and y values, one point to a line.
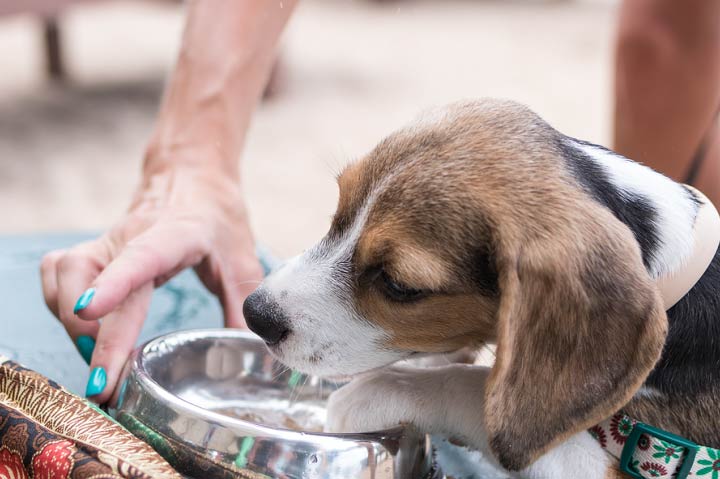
481	224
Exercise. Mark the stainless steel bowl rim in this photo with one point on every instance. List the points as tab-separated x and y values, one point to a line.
154	403
152	387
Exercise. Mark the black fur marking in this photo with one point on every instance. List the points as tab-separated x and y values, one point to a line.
636	212
691	194
690	363
483	271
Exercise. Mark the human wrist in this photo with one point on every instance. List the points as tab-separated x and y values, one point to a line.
162	157
188	184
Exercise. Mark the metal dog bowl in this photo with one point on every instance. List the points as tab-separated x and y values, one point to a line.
199	398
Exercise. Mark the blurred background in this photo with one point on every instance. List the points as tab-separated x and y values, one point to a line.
349	73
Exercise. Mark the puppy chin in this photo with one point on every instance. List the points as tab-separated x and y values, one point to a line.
333	364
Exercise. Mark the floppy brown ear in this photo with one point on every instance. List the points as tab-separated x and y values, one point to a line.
581	325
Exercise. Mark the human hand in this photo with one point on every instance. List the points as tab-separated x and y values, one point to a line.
182	216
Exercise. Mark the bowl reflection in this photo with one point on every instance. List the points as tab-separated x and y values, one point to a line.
216	404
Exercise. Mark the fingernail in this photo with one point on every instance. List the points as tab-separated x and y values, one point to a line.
84	300
96	382
85	345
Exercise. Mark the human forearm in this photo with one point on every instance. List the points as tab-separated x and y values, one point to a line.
226	55
667	81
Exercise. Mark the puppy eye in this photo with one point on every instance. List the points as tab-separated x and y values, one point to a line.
399	292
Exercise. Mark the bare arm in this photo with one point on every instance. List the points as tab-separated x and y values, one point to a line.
227	52
667	87
189	209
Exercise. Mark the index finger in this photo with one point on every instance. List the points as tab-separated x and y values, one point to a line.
160	250
115	341
75	270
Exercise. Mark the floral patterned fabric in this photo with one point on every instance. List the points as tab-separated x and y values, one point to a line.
653	457
47	432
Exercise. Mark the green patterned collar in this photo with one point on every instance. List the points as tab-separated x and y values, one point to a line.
646	452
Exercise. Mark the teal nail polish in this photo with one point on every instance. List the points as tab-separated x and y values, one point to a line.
85	345
84	300
96	382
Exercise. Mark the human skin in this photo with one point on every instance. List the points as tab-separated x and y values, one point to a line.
188	210
667	83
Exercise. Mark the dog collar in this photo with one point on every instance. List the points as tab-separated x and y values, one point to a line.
646	452
706	231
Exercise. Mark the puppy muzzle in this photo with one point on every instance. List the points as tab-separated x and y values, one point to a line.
265	318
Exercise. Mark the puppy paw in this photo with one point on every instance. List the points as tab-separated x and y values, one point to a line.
378	401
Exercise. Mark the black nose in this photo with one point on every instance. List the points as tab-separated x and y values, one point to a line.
264	317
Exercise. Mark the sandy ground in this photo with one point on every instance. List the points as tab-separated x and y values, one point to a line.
353	71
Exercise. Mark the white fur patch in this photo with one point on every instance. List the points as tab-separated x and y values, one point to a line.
328	337
442	400
579	456
448	401
675	208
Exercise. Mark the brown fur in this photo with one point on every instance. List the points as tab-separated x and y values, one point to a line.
573	310
486	183
448	326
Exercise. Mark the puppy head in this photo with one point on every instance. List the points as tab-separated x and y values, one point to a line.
464	228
